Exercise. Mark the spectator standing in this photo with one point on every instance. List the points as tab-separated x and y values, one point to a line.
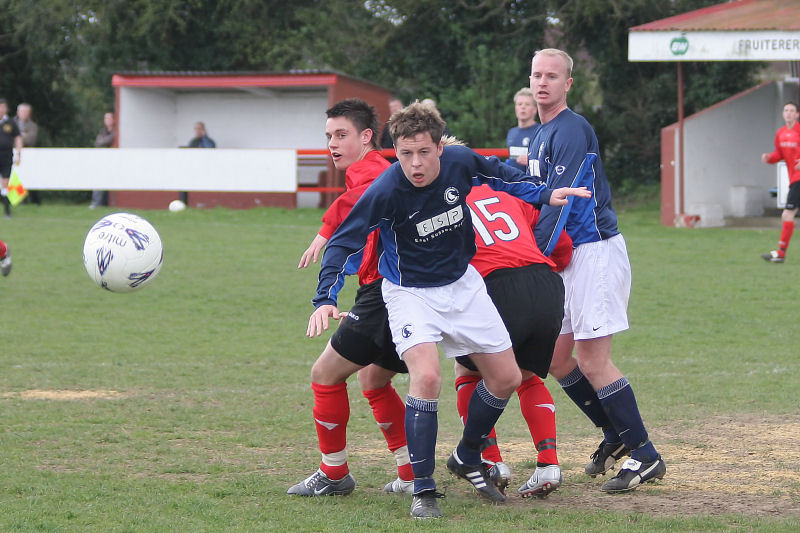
787	148
201	138
29	131
10	140
519	137
395	105
105	139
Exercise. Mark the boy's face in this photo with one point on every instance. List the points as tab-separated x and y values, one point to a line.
419	158
524	108
345	143
790	113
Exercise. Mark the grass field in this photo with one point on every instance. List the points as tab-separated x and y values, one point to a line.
186	406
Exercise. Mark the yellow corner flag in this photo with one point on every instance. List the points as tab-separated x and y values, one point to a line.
16	192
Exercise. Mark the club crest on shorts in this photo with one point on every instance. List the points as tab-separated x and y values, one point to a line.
407	331
451	195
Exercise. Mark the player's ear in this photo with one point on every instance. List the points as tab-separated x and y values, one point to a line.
366	136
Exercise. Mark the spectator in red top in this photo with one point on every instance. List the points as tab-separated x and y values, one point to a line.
787	148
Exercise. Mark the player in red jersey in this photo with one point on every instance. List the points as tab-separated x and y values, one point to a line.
363	338
529	295
787	148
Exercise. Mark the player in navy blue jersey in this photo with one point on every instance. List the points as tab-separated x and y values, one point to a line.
519	137
432	294
564	152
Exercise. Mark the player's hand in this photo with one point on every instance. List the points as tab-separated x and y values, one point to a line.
313	251
522	160
559	196
765	158
318	321
797	166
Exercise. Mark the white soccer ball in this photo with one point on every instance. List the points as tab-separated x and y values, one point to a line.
176	205
122	252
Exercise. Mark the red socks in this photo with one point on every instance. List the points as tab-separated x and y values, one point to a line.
331	413
389	412
786	236
539	412
465	386
3	249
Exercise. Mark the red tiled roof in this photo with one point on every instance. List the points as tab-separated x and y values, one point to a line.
753	15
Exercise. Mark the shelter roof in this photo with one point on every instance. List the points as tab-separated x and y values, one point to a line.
748	15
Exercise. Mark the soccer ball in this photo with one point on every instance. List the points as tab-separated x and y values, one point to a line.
176	205
122	252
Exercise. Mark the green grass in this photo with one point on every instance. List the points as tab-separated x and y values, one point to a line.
211	420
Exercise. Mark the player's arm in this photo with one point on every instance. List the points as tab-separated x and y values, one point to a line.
331	220
500	177
776	154
345	247
572	165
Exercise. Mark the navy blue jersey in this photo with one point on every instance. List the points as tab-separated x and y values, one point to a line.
564	153
519	139
426	234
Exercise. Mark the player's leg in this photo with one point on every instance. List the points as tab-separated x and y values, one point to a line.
389	412
602	292
331	413
578	388
467	378
618	400
422	424
787	225
501	377
539	412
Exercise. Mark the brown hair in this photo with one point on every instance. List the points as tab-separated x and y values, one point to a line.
417	118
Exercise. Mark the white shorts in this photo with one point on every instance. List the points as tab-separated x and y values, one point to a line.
460	316
597	285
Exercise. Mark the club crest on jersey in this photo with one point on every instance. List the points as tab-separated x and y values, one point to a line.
451	195
407	331
560	169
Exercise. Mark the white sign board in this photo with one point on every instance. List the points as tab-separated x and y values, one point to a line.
159	169
714	46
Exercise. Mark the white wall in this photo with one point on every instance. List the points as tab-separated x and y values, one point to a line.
723	147
169	169
151	118
147	118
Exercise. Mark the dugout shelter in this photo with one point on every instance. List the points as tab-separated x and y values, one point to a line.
254	118
710	161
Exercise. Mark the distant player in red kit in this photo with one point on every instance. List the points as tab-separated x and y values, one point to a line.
787	148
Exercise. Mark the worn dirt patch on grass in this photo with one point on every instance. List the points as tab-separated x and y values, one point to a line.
38	394
722	465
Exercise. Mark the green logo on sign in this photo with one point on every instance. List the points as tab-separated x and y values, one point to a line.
679	46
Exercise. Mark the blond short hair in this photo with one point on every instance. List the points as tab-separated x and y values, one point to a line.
525	91
556	52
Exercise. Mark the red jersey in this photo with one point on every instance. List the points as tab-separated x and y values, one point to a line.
787	148
357	178
504	233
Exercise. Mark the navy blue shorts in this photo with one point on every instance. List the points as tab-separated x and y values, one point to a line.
363	336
